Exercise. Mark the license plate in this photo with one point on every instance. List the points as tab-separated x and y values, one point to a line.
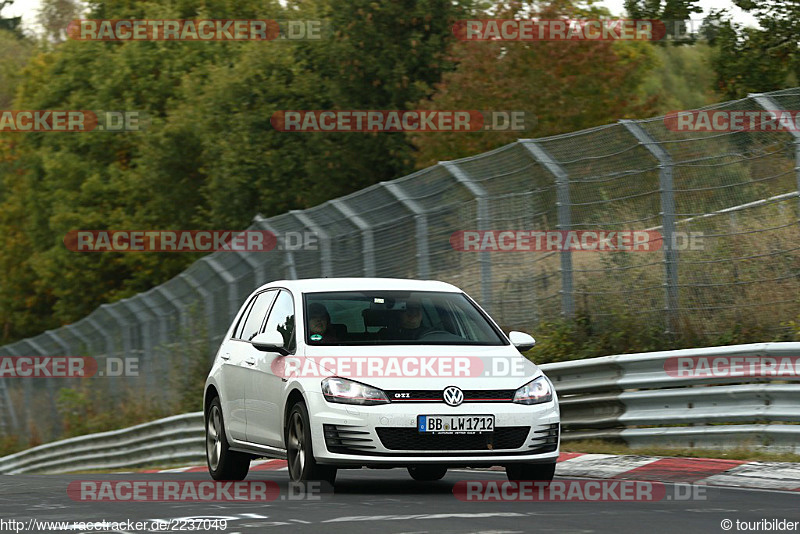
455	424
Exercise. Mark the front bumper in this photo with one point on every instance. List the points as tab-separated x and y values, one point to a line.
386	435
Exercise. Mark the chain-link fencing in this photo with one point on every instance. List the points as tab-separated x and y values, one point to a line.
737	190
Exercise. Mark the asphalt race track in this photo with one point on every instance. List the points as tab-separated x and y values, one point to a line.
389	501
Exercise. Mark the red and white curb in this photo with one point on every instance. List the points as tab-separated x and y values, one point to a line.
709	471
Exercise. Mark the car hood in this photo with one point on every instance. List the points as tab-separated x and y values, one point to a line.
397	367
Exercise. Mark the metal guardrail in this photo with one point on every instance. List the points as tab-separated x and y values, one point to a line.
632	398
627	397
180	438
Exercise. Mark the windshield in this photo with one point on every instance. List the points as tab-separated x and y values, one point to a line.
396	317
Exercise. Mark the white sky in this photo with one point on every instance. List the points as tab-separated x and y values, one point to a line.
28	10
617	7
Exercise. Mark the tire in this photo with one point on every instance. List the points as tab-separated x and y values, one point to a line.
538	472
427	473
299	451
223	463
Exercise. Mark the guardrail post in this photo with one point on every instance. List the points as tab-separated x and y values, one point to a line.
367	241
564	214
766	102
665	165
421	218
484	224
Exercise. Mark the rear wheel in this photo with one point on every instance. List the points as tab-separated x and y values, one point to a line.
299	451
427	473
539	472
223	463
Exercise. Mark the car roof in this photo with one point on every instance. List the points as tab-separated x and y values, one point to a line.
316	285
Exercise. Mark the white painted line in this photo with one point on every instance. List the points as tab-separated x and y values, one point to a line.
178	469
420	516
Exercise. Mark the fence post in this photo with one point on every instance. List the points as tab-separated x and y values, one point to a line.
208	303
8	405
324	241
49	388
145	318
367	240
564	213
123	326
230	283
423	265
484	223
766	102
27	396
288	255
666	188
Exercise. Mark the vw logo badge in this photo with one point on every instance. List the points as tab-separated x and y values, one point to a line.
453	396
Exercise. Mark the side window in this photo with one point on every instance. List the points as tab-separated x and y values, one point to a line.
255	316
281	319
237	334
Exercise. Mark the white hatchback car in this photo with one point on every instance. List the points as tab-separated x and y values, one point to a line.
339	373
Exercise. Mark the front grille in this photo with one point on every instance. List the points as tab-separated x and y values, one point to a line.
545	438
347	438
410	439
435	395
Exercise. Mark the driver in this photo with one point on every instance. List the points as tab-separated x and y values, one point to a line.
411	322
319	324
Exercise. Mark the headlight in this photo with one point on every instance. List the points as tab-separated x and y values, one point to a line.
349	392
534	392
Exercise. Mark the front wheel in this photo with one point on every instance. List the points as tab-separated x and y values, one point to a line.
539	472
299	451
427	473
223	463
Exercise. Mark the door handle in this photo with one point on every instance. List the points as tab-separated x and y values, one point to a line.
226	356
250	361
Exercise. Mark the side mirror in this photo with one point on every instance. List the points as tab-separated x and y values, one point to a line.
269	342
521	340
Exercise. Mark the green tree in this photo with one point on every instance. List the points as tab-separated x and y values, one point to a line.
10	24
761	59
567	85
55	15
672	13
683	78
